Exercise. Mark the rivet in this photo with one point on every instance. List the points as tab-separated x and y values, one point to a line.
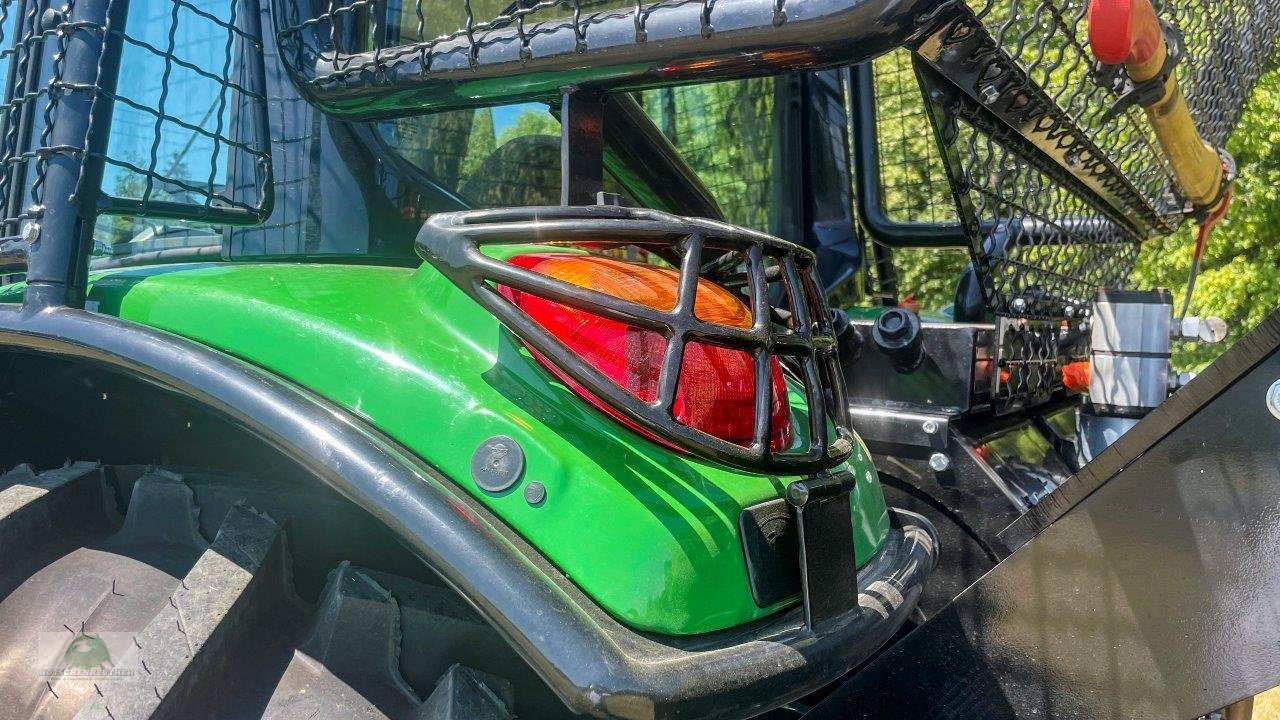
1273	399
535	493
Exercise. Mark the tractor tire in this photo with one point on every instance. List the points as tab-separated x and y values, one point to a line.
133	593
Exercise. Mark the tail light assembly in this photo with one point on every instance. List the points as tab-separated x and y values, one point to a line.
689	349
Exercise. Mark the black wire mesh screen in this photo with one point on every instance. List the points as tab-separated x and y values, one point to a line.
173	111
1053	196
372	59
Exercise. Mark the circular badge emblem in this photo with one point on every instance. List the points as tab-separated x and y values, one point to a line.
496	465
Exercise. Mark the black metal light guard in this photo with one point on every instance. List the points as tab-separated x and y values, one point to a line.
452	242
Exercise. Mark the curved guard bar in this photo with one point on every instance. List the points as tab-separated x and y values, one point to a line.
1129	32
648	45
596	665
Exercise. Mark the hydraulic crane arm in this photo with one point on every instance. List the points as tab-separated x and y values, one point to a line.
1128	32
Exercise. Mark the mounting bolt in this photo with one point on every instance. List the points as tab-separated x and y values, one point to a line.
989	95
929	426
1018	304
939	462
1069	311
51	19
1273	399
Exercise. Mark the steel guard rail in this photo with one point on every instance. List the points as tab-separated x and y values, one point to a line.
595	664
619	50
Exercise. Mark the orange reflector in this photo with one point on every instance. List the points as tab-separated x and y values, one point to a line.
1075	376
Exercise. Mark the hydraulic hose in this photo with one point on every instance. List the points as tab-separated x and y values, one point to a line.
1128	32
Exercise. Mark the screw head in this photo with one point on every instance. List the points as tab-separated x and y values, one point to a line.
929	426
939	462
798	494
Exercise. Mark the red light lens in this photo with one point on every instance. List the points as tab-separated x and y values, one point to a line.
716	392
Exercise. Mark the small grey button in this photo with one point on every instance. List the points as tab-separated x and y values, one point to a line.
535	492
496	465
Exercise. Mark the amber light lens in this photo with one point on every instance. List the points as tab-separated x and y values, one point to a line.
716	392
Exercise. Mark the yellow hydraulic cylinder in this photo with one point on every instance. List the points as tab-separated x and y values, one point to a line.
1128	32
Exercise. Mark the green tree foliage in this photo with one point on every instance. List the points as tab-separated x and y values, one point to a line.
1240	276
481	143
534	121
929	275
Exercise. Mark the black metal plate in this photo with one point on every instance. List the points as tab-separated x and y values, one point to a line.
828	566
1154	596
771	549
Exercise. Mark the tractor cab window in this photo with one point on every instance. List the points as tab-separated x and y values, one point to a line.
489	157
724	131
171	131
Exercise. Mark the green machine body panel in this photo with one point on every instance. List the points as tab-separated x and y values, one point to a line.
649	534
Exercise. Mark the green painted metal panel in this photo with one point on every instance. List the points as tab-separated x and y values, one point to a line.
649	534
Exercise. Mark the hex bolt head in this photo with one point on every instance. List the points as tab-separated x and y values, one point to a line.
939	462
929	426
1018	304
989	95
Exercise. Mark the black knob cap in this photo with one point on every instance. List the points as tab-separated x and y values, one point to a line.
848	340
897	334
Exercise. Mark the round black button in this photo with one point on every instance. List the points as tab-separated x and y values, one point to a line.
496	465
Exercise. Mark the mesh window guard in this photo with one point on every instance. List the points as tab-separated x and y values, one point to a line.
1054	197
173	107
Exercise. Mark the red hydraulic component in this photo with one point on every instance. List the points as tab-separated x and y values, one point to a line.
1124	31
